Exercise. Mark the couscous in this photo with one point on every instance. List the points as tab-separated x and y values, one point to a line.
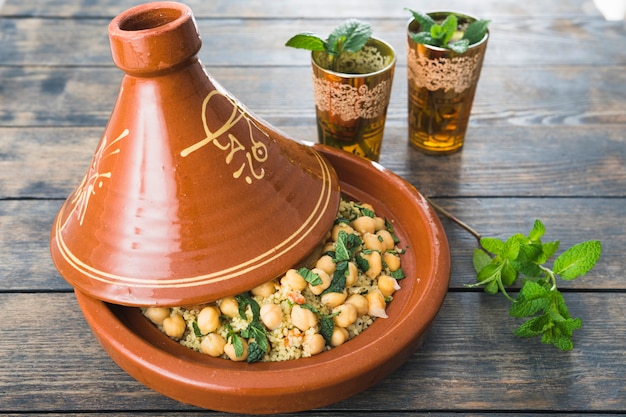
306	311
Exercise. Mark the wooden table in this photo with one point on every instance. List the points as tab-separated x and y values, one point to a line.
547	140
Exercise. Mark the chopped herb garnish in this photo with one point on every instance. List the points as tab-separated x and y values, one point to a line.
362	263
310	276
196	329
338	281
327	326
347	245
397	274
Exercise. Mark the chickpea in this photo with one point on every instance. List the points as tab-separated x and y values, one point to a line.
387	285
271	316
293	280
229	306
264	290
326	264
387	239
380	223
353	274
392	261
303	318
375	262
313	344
364	224
377	304
229	349
157	314
174	326
339	336
372	242
347	315
333	299
329	247
317	289
213	345
359	302
209	319
338	228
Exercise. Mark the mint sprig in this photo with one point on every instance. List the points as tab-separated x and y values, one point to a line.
499	264
447	34
349	36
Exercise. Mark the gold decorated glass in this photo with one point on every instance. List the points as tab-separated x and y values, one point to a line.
351	100
441	86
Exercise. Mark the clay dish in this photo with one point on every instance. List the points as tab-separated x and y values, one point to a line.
144	352
189	197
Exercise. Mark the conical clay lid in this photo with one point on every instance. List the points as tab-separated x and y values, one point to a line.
189	197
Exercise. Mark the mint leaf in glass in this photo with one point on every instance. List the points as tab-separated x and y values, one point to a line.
449	33
349	36
307	40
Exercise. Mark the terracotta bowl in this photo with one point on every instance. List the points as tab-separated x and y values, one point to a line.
162	364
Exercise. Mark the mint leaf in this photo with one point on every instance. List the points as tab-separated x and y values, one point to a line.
423	38
492	287
308	41
397	274
538	230
533	327
528	259
489	273
444	35
338	281
327	326
310	276
255	352
531	299
476	31
196	329
492	244
562	342
425	21
578	260
349	36
246	300
509	274
347	245
480	259
237	343
447	29
459	46
511	247
548	250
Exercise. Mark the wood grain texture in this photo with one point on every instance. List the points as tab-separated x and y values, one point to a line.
542	161
301	10
25	226
470	361
553	96
260	42
547	140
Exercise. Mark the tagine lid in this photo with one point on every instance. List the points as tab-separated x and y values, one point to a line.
189	196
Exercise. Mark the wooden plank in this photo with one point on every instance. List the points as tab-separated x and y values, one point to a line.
25	227
252	42
470	361
519	161
301	10
79	96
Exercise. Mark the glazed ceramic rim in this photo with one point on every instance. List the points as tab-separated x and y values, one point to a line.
191	377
